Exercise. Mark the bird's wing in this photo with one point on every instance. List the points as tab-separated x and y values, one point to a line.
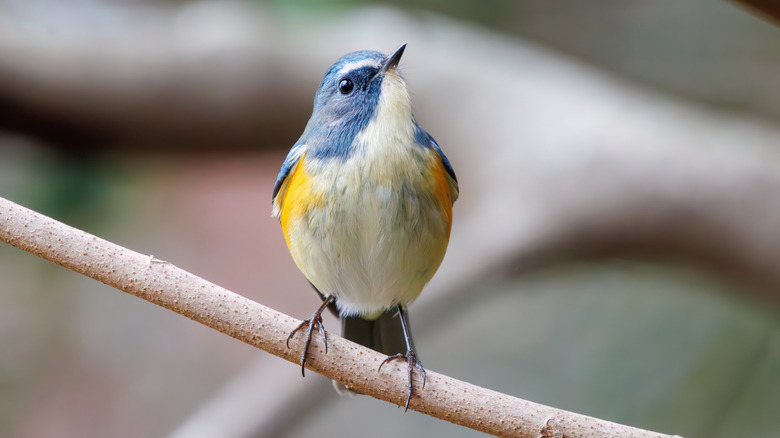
451	178
293	157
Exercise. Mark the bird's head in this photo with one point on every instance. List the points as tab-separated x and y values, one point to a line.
357	89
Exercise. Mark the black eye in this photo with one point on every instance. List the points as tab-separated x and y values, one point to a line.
346	86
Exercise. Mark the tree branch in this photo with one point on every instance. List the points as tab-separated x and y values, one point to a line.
166	285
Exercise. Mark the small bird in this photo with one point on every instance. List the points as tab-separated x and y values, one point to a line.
364	199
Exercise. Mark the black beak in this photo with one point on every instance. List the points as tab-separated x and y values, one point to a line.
392	60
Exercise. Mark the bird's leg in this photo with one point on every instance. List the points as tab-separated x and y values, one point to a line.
410	357
314	321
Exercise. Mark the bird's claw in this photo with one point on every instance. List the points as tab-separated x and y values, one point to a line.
311	323
315	320
411	359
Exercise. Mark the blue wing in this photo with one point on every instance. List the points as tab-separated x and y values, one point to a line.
289	164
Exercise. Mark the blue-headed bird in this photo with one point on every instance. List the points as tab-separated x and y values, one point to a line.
365	199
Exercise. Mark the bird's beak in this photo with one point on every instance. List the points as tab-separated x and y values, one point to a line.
392	61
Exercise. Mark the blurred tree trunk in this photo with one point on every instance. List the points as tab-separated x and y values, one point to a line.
768	8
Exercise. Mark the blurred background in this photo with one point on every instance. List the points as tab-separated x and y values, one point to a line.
616	246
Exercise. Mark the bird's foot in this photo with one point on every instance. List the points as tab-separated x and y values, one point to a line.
311	323
411	360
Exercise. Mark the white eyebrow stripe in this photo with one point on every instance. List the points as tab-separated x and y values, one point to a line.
358	64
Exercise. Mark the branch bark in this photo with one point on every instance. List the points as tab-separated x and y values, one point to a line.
166	285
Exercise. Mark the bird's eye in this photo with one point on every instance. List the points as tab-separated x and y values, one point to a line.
346	86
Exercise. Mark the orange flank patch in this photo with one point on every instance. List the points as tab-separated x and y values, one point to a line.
298	198
442	190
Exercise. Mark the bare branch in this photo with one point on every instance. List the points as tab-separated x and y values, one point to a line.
166	285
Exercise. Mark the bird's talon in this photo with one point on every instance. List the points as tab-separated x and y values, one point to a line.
412	363
390	359
422	371
323	334
315	320
292	333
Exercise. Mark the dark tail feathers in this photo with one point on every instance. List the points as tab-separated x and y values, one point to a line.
384	334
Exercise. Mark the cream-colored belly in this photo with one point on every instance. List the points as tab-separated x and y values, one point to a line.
376	238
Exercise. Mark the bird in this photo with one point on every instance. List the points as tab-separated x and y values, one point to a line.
364	199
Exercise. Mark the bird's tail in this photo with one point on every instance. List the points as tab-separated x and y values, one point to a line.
384	334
